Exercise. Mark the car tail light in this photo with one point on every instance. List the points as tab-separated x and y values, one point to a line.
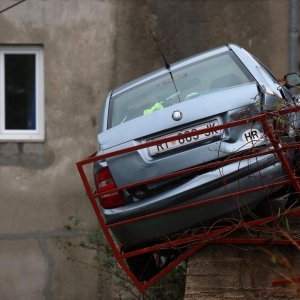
105	183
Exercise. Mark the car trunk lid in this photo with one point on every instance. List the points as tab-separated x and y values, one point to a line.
204	109
197	109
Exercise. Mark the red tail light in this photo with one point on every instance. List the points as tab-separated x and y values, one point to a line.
105	183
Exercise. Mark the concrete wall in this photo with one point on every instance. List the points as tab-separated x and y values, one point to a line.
242	273
186	27
91	47
39	184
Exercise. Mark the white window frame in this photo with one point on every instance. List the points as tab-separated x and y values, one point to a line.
24	135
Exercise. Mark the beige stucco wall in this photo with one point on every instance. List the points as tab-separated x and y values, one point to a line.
39	184
89	48
187	27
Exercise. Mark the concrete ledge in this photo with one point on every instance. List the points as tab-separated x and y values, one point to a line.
227	272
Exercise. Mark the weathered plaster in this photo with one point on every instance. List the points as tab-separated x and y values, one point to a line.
91	47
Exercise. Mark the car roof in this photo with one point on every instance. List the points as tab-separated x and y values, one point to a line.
173	67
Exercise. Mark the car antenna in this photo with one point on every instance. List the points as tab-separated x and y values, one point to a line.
167	66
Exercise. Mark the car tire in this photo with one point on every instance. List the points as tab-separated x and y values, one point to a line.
143	266
271	205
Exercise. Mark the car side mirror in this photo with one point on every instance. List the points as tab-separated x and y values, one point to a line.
292	80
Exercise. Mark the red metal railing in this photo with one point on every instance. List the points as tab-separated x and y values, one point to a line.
194	242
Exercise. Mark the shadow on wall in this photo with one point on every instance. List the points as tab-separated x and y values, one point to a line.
185	28
29	155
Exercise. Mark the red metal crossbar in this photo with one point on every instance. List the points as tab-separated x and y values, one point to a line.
285	281
194	242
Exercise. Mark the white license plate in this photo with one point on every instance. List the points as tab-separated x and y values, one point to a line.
164	147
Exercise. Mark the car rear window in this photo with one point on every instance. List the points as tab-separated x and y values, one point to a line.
206	76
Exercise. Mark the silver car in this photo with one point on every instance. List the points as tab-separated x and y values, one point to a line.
215	87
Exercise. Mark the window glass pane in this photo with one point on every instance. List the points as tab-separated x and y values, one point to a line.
206	76
20	102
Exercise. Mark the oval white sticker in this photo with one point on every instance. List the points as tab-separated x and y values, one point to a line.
251	135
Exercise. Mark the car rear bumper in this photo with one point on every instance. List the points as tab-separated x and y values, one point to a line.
242	175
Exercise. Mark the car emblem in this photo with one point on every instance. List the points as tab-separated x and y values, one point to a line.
177	115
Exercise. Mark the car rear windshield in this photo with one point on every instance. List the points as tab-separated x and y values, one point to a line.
215	73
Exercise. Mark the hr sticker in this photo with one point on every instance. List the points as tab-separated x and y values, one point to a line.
251	135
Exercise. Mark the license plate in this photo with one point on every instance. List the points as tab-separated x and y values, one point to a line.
181	142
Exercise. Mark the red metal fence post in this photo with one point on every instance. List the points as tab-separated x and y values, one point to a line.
198	240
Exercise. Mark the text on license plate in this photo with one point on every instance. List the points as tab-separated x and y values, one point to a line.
160	148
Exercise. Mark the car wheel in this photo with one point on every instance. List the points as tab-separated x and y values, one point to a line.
143	266
273	204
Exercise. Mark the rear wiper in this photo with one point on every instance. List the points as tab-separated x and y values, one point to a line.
158	105
124	120
170	97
